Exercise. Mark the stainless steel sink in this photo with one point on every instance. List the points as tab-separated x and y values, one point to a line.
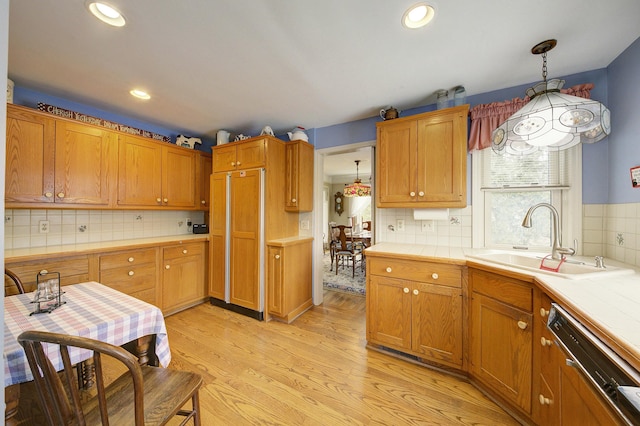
570	269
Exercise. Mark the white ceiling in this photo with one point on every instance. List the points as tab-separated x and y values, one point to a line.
242	64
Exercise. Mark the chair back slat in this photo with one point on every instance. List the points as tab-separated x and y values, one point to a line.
12	283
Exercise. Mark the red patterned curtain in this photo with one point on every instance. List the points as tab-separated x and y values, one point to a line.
485	118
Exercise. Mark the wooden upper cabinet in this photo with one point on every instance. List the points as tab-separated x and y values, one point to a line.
179	177
30	150
85	165
299	176
248	154
52	162
204	181
153	175
422	160
139	172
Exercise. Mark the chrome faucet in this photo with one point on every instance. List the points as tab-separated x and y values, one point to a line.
557	251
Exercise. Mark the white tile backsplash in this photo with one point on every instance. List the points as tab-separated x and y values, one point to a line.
84	226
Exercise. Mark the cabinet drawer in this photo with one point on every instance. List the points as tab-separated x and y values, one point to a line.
130	280
430	272
176	252
516	293
72	270
127	259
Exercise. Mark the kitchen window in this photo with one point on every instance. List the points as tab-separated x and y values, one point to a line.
505	186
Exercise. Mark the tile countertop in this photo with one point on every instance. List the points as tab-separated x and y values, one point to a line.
68	249
610	307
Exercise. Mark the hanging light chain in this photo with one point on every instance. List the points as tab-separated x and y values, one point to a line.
544	66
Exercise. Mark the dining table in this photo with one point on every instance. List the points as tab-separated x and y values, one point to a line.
89	310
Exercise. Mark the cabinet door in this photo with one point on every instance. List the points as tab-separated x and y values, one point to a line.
85	164
178	178
299	177
389	312
139	172
275	280
397	162
442	159
204	177
182	276
224	158
250	155
437	323
501	349
244	256
30	148
218	235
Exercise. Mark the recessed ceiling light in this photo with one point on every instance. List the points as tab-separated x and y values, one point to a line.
140	94
418	15
106	13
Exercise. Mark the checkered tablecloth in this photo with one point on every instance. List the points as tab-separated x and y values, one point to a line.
91	310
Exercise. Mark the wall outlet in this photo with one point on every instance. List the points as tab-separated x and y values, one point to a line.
43	227
400	225
304	224
428	226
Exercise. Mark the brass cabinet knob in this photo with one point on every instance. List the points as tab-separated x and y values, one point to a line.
545	342
421	193
48	194
544	401
60	194
416	291
543	312
159	200
293	200
131	259
277	256
435	276
131	273
389	269
522	325
184	251
167	266
406	289
166	200
413	194
203	202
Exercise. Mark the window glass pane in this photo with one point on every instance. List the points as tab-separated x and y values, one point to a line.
506	211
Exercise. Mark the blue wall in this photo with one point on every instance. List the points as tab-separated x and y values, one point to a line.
624	141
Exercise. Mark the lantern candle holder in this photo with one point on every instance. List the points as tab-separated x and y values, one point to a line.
48	296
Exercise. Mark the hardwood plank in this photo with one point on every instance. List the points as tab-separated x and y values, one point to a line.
315	371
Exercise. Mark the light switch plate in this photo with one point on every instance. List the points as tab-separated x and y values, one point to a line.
400	225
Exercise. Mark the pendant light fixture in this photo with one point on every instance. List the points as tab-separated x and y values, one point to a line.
551	120
357	188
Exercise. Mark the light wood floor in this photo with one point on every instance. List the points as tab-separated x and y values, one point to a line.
315	371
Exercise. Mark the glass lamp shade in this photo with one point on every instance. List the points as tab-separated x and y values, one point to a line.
552	121
357	189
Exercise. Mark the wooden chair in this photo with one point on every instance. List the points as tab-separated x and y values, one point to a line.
14	284
142	395
346	249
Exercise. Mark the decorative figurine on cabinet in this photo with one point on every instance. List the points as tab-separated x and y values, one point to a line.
338	200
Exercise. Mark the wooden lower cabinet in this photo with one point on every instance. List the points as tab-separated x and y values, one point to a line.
183	276
289	275
133	272
501	347
416	307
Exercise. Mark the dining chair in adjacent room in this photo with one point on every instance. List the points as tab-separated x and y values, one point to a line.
143	395
347	250
12	283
